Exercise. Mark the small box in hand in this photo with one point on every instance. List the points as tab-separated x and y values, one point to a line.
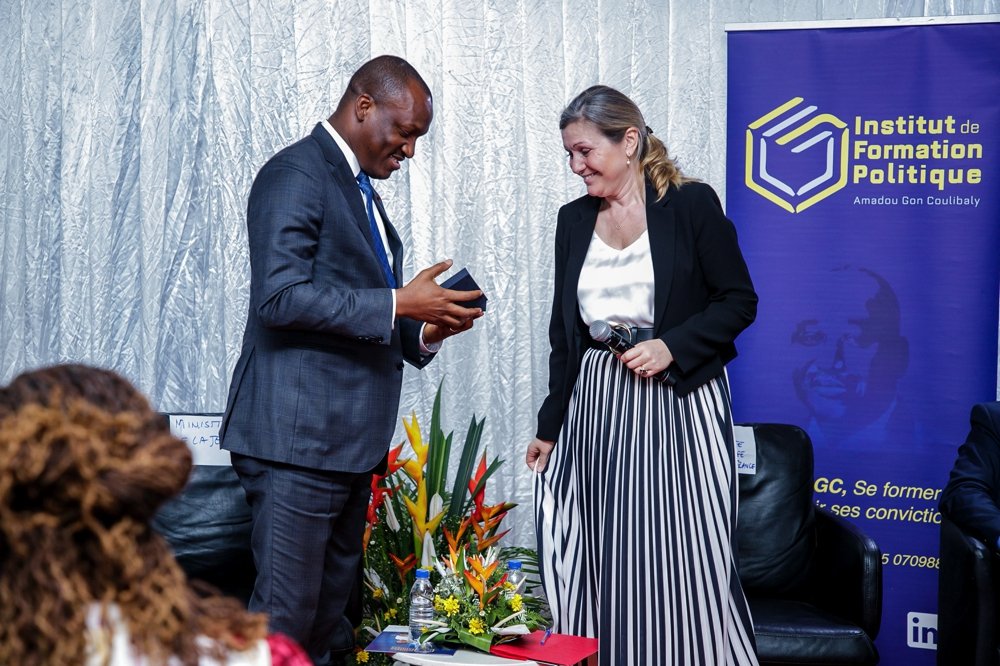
463	281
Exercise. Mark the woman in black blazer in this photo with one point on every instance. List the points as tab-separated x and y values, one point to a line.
636	480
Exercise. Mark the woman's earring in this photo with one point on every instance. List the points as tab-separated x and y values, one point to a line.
628	160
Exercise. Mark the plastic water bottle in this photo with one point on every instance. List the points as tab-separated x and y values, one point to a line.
515	577
421	607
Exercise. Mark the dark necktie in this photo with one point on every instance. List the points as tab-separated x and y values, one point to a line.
365	184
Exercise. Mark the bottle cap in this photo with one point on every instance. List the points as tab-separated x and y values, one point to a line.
514	564
423	573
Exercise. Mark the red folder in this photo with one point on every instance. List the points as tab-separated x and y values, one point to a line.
559	649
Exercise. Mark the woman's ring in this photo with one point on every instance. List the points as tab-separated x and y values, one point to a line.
642	370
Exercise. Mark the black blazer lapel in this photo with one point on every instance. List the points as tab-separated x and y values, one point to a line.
662	246
578	239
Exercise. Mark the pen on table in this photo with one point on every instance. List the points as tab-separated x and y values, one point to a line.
545	637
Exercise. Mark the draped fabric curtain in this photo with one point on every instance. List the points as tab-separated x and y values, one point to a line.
130	131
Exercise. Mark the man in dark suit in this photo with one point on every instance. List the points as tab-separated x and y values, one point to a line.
313	400
972	497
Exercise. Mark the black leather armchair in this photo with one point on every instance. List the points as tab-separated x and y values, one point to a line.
208	528
813	579
968	593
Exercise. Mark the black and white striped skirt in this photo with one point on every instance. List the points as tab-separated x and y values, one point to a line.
634	518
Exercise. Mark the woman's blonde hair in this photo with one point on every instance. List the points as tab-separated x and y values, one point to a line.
613	113
84	465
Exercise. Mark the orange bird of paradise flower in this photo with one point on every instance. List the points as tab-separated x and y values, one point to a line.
478	576
404	565
478	498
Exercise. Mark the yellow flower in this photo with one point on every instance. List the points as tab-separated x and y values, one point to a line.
507	585
393	612
418	512
516	603
476	626
450	606
438	603
361	657
378	593
415	468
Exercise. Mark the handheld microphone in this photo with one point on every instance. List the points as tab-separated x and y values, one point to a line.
602	331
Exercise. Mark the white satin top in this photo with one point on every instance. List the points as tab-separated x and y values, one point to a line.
617	285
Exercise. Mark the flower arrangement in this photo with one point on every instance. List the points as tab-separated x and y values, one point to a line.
412	517
477	604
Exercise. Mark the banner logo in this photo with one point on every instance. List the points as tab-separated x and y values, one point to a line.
921	630
796	157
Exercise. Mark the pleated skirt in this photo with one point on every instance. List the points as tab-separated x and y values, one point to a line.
635	515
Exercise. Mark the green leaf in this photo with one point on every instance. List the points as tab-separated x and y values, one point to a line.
470	450
438	450
481	642
441	473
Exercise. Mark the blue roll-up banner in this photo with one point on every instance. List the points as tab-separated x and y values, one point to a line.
864	180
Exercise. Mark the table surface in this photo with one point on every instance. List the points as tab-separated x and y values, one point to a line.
460	658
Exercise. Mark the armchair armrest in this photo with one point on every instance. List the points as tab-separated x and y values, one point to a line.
846	577
967	593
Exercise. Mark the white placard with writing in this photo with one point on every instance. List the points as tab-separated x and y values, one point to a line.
201	433
746	450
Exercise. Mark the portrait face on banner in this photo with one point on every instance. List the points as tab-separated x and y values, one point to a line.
848	357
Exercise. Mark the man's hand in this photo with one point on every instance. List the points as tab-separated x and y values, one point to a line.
434	333
424	300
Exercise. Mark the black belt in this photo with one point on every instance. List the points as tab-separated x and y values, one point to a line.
633	334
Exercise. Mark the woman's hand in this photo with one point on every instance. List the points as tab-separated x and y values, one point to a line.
538	454
648	358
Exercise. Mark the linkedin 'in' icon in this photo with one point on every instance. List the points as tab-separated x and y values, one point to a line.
921	630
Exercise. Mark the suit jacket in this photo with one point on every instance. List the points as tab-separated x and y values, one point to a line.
318	379
703	293
972	496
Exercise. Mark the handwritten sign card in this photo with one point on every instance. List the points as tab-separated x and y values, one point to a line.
201	433
746	450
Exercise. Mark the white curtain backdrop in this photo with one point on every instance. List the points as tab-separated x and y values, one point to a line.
130	131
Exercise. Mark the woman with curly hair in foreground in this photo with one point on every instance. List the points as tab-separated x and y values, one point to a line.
84	465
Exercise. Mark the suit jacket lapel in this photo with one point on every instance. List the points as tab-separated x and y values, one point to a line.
341	172
662	245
